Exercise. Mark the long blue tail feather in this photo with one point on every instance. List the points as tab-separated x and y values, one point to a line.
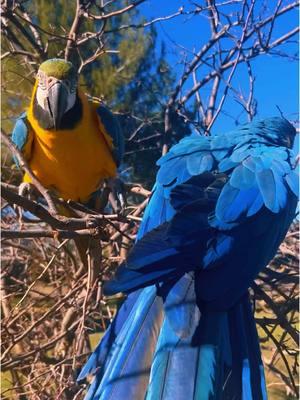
100	356
246	379
154	356
126	373
169	379
181	308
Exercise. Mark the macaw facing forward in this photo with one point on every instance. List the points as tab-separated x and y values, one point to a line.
220	207
71	144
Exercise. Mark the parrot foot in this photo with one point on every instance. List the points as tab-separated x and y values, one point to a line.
26	190
117	195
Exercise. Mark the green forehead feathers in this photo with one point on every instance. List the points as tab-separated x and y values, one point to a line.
59	69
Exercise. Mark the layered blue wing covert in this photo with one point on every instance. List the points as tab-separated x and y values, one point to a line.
22	137
259	177
259	174
112	127
248	172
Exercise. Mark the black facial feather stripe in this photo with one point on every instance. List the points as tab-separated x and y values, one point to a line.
68	121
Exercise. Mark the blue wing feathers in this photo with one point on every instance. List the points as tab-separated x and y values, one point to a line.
255	182
292	179
183	176
219	209
199	163
181	308
256	205
267	186
227	164
222	247
20	133
281	192
167	175
250	163
242	178
280	167
113	128
157	212
234	202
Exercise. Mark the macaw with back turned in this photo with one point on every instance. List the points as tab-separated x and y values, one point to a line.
71	144
220	207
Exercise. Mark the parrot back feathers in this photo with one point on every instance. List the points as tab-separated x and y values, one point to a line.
220	207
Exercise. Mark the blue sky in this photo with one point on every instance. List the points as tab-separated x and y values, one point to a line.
277	80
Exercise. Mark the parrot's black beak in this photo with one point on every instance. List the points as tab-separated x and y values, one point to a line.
57	102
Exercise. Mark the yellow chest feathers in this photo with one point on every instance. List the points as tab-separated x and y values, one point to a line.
72	162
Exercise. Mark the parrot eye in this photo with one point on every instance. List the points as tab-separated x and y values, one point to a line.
68	85
72	86
51	81
73	89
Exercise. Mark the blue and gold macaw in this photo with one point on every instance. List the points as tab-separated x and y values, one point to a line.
220	207
71	144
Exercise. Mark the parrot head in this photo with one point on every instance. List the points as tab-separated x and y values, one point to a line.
56	91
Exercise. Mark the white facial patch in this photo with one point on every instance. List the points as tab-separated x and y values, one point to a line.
45	83
41	97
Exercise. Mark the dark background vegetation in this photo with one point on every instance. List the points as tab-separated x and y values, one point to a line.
53	312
